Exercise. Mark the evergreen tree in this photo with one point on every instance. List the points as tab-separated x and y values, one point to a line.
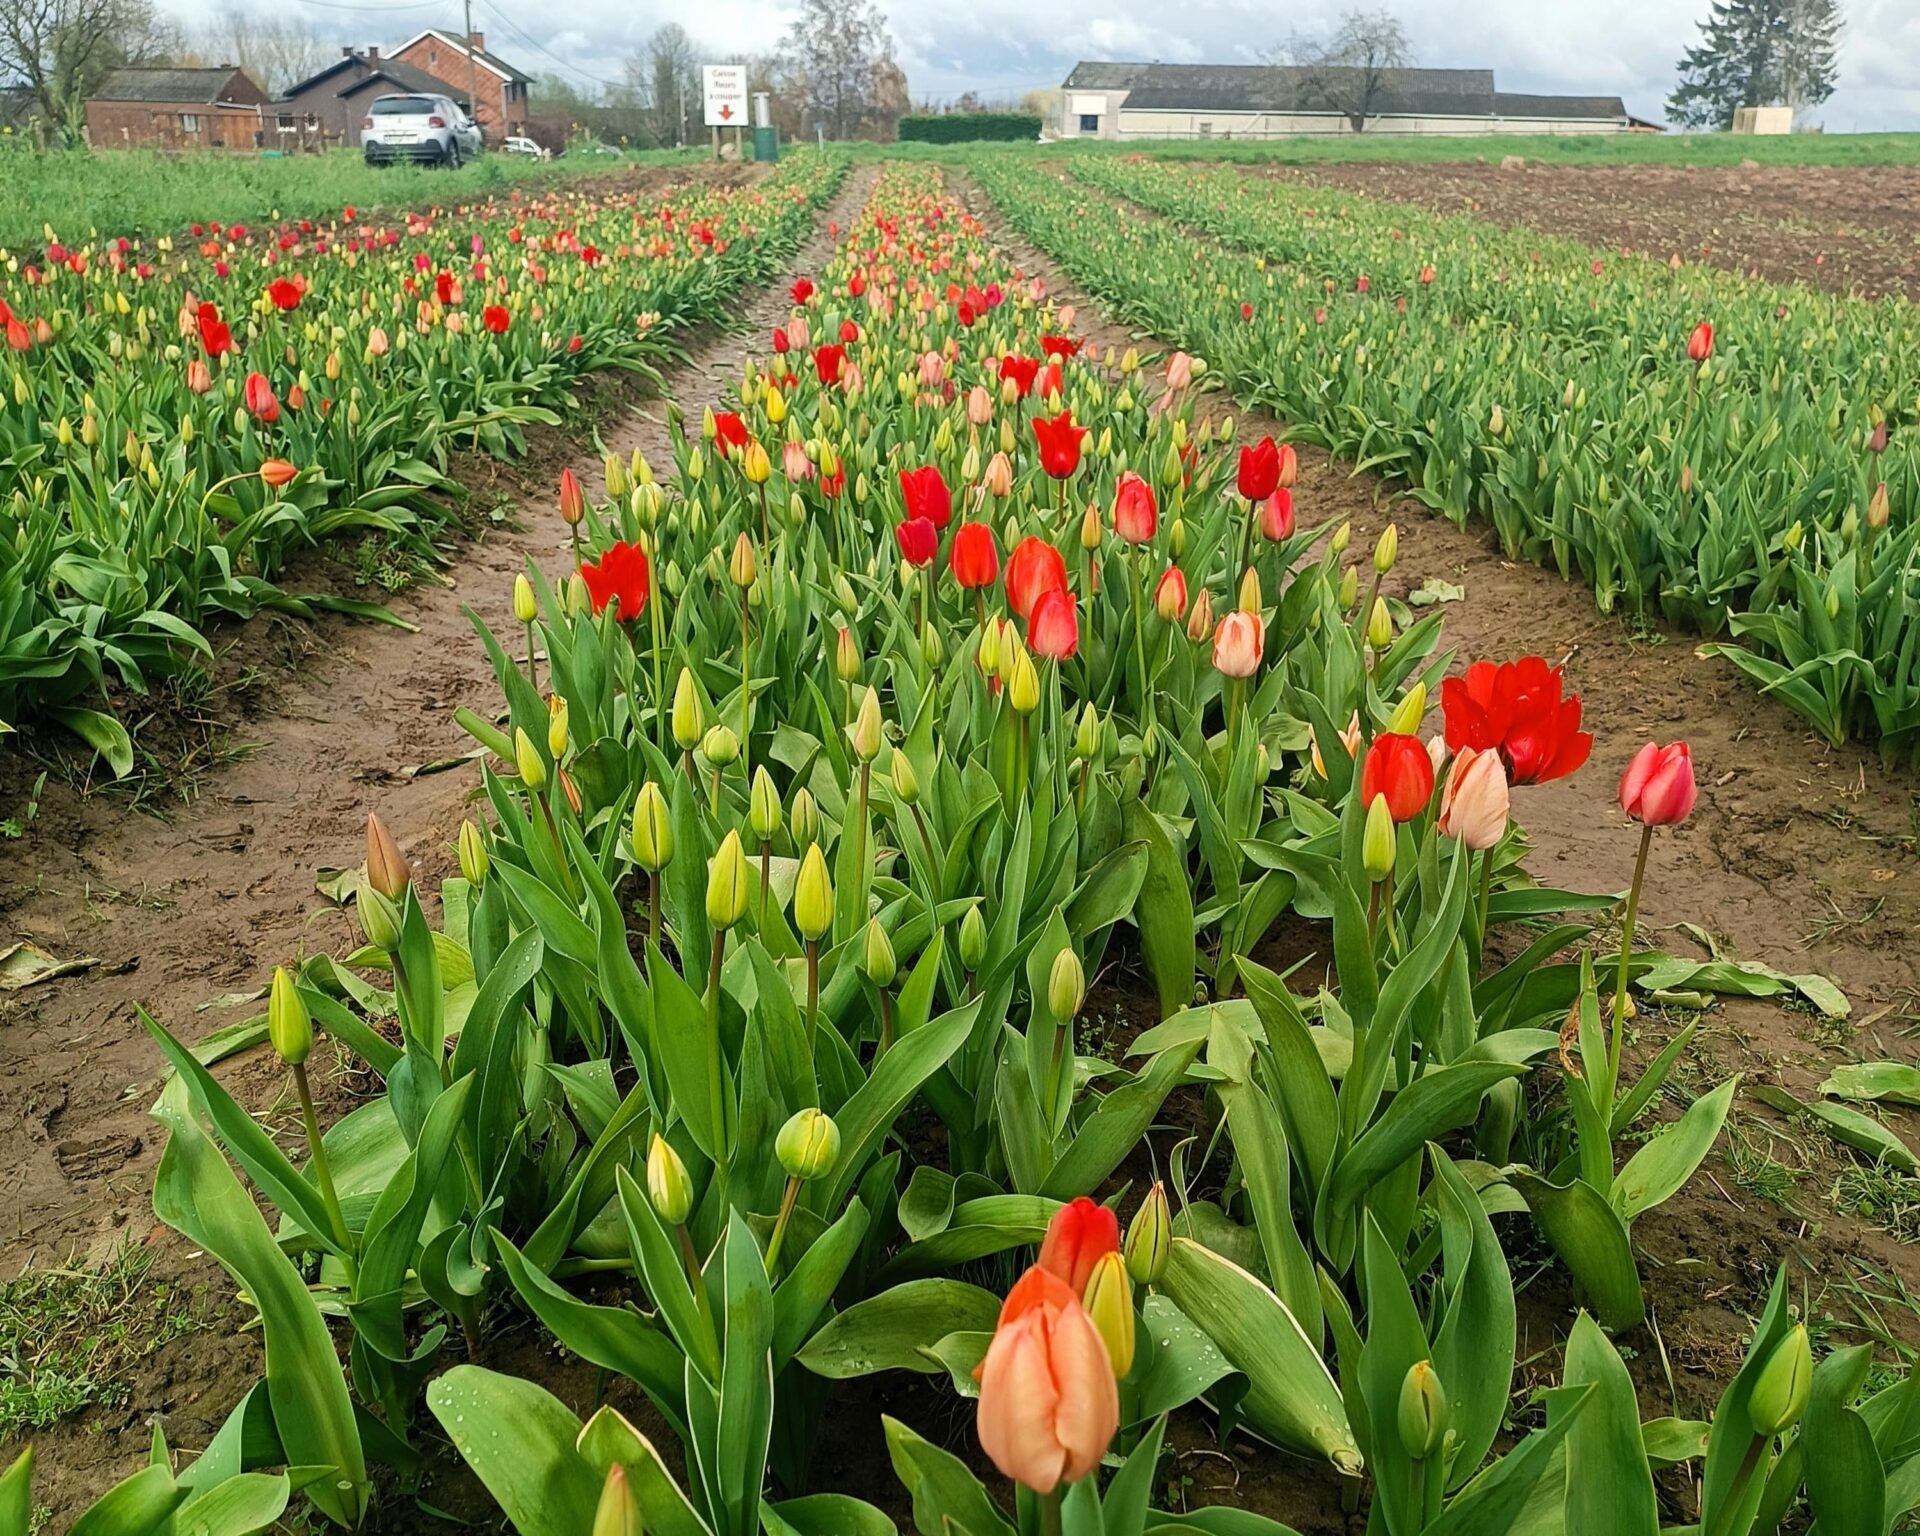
1756	53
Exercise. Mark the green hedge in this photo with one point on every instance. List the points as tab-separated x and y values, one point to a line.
970	127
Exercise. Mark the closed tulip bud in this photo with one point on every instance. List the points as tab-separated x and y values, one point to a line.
804	818
1200	617
1090	529
1066	986
846	656
652	829
556	727
689	718
720	746
1109	1302
756	464
1423	1411
379	918
877	962
1497	422
906	785
1379	625
1086	740
973	939
618	1512
1150	1237
527	758
1877	507
289	1025
1023	688
1177	537
1794	536
813	896
727	883
526	607
763	806
932	647
866	727
1349	593
1342	536
1249	591
808	1145
743	566
579	598
1410	711
988	654
1780	1391
387	871
1377	848
669	1189
1386	549
573	501
474	863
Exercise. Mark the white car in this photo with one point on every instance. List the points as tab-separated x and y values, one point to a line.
429	130
519	144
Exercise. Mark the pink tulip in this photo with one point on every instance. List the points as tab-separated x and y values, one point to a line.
979	405
794	461
1276	516
933	370
1238	643
1049	1405
1135	516
799	333
1657	789
1179	371
999	478
1474	803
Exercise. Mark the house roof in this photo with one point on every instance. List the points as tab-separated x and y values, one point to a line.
18	105
405	77
188	87
487	60
1293	88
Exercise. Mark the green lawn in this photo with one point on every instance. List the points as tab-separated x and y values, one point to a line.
137	192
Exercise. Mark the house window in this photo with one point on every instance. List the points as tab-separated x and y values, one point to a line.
189	122
1089	122
1206	130
286	122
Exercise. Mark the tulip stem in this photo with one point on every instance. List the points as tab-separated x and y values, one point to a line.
886	1024
1486	894
813	994
533	660
653	907
1736	1495
746	687
766	879
787	1201
1050	1513
1236	694
1626	953
1140	644
322	1172
714	1054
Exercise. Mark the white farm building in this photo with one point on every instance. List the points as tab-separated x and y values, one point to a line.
1267	101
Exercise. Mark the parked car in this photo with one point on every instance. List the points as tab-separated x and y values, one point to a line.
430	130
519	144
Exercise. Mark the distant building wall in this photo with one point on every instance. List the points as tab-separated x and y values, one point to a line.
172	125
500	106
1135	124
1763	120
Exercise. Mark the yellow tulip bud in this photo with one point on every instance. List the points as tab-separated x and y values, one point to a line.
1423	1411
1378	847
1781	1390
652	829
556	727
669	1189
527	758
813	896
1342	536
720	746
876	961
727	883
743	566
1109	1304
689	718
1023	689
1150	1237
846	657
1250	591
289	1025
866	726
526	607
1386	549
906	785
755	464
1379	625
1349	593
808	1145
1410	711
1086	738
1066	986
805	817
474	863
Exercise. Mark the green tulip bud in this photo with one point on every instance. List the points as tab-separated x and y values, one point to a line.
289	1025
1150	1237
1341	537
877	961
618	1512
932	648
652	829
379	918
906	786
720	746
1023	687
1780	1391
804	818
727	883
1379	845
866	728
763	806
1379	625
808	1145
1410	711
1423	1411
1066	986
669	1189
689	719
526	607
1386	549
1349	587
813	896
527	758
1086	740
473	856
973	938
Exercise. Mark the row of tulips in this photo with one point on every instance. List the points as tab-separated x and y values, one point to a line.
952	662
179	416
1727	454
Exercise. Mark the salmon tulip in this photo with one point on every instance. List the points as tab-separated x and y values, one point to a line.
1238	644
1658	788
1474	803
1049	1403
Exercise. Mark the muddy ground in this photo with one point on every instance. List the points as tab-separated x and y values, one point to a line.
1799	856
1846	228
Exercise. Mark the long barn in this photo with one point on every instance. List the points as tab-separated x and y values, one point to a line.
1264	101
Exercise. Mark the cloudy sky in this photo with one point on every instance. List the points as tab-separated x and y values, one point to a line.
1003	48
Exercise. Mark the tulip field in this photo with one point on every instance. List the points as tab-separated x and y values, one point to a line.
983	925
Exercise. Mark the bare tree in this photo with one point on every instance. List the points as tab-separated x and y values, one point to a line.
836	58
1351	72
62	49
673	84
276	50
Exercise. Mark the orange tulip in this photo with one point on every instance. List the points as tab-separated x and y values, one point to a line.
277	472
1049	1404
1079	1236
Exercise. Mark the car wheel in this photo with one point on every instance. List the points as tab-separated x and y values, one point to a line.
453	154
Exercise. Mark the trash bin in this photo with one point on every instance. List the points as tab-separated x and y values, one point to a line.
766	141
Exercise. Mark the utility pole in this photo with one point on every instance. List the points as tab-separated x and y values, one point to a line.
473	71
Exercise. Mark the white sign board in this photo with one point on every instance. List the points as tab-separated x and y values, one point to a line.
726	94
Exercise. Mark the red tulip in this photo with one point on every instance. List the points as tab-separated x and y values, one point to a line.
828	360
1170	595
1259	470
780	342
802	290
1700	343
849	332
974	559
620	578
496	319
1238	643
1399	768
573	500
1054	629
926	495
1516	708
215	335
1059	346
1022	370
1658	789
919	541
1060	442
729	432
1049	1404
1276	516
1035	567
277	472
1246	311
259	399
283	293
1081	1233
1135	516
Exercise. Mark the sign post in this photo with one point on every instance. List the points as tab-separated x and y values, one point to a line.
725	89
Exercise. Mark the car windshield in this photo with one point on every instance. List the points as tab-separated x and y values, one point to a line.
404	106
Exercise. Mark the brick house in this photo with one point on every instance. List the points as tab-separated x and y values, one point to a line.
325	110
216	108
500	89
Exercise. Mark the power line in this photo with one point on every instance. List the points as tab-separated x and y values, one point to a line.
404	5
512	27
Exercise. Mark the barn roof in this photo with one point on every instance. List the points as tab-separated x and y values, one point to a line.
1296	88
1521	104
188	87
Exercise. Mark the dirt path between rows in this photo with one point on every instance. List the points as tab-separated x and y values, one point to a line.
188	917
1798	856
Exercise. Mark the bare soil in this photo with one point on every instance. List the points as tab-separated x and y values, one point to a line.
1846	228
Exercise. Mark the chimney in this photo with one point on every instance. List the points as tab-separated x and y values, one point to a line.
347	52
373	53
478	40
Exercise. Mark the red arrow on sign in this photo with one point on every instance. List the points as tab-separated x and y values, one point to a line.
726	112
